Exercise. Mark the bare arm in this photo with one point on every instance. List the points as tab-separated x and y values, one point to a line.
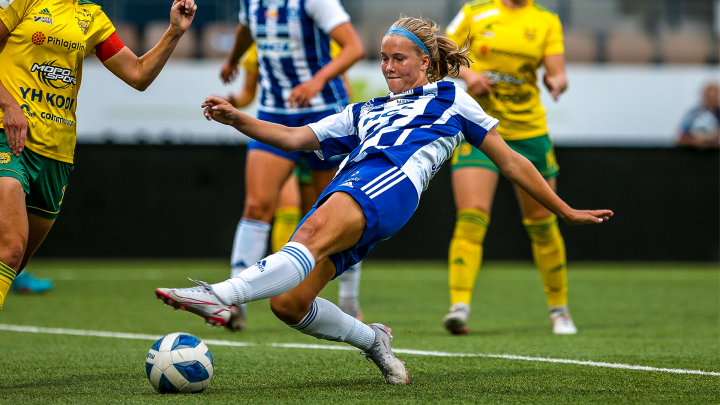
243	41
555	78
141	72
521	172
477	84
289	139
352	51
14	121
247	94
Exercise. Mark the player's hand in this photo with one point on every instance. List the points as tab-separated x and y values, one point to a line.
553	86
16	126
220	110
228	72
182	14
304	92
582	217
478	85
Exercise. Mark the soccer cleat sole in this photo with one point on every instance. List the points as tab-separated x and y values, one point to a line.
168	300
455	326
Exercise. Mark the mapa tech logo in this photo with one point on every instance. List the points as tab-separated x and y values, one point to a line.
50	74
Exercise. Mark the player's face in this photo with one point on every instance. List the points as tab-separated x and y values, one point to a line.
402	67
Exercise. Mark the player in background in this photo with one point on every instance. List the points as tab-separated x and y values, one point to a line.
394	146
296	196
299	83
44	46
700	127
509	40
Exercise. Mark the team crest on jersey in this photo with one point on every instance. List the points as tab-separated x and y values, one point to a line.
530	33
84	20
5	157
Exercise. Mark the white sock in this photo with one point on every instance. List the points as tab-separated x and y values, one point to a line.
250	244
349	284
271	276
326	321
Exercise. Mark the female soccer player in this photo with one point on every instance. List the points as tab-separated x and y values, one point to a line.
395	144
508	40
295	198
45	45
299	84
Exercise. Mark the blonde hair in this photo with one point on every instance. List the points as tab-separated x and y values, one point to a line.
445	56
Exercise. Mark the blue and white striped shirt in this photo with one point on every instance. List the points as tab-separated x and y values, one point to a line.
292	45
417	130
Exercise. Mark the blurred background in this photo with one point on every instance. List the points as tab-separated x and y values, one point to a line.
154	179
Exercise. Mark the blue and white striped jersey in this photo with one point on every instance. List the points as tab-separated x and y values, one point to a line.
417	130
292	45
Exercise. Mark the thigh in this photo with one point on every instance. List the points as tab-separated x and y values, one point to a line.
530	208
13	222
321	179
38	230
265	173
289	193
474	187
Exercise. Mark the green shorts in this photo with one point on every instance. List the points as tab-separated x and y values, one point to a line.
43	179
302	171
538	150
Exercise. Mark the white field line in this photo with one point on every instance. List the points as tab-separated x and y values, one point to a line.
77	332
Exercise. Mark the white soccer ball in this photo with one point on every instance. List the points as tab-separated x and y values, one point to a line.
179	363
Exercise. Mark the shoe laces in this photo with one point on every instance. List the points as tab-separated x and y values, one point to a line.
201	286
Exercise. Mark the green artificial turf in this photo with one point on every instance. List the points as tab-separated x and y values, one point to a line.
658	315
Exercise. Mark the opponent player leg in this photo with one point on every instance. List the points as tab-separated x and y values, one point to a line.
349	280
14	231
287	215
548	249
265	173
27	284
474	190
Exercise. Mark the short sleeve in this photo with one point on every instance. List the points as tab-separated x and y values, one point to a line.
554	40
242	15
337	133
459	28
13	11
327	14
250	60
101	28
474	121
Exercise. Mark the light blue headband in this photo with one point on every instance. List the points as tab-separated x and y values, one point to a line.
409	35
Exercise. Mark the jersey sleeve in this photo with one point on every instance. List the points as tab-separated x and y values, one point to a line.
554	40
327	14
250	60
337	133
459	28
102	29
474	121
13	11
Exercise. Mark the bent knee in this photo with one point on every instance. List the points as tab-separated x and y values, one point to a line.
289	310
307	231
12	250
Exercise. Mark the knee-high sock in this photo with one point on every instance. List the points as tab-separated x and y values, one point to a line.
326	321
271	276
7	275
548	249
284	223
249	245
349	283
466	250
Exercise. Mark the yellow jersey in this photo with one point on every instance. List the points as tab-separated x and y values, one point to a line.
42	66
508	45
250	60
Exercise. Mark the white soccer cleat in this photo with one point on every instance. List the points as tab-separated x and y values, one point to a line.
237	318
392	368
200	300
562	323
456	321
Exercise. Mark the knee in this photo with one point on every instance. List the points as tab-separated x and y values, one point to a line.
13	250
307	231
289	310
259	209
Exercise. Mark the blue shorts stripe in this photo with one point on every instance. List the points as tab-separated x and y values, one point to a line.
398	180
382	183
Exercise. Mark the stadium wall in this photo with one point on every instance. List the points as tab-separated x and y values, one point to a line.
182	201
